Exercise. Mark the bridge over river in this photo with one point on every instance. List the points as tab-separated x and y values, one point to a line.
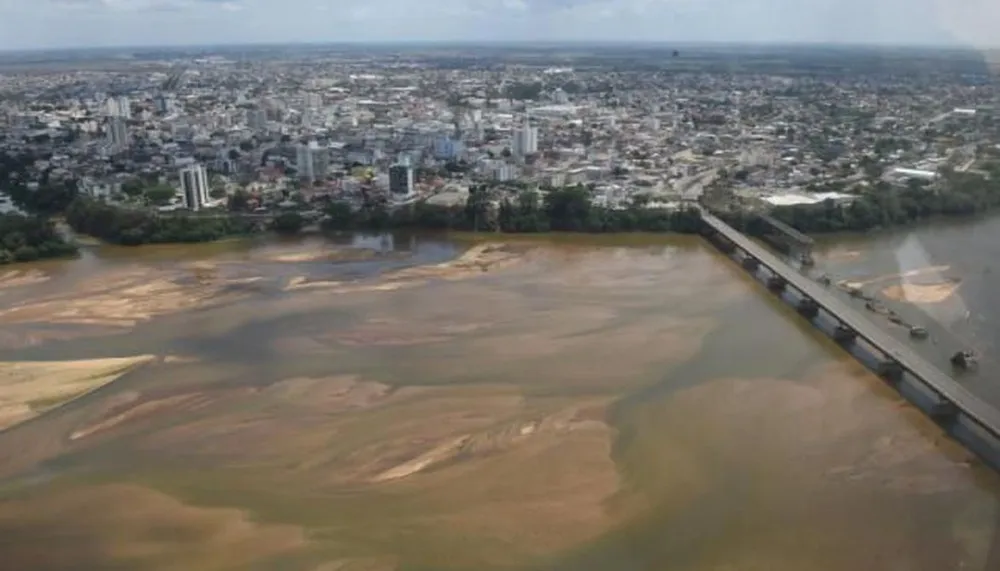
963	415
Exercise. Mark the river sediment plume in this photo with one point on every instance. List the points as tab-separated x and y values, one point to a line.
29	388
474	461
639	406
137	527
863	458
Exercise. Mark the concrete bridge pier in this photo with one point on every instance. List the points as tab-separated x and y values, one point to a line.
808	307
844	335
890	370
724	245
943	411
776	283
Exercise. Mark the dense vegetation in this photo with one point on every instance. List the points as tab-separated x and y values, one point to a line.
564	210
288	223
959	194
29	238
135	227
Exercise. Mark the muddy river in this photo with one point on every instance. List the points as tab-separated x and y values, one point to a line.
415	403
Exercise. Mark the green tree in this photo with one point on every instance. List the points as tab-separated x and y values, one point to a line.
339	216
160	194
239	201
568	209
133	187
288	223
28	238
26	254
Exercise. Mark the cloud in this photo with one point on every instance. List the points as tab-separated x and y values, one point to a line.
46	23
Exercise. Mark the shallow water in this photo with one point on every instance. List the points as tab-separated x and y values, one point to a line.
596	406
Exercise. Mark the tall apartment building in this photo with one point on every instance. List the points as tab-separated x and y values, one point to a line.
525	140
401	180
118	107
164	104
312	161
117	133
194	186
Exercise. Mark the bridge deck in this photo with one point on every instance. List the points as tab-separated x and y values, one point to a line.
972	406
792	232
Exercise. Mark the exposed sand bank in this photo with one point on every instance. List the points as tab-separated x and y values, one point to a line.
467	446
126	298
476	260
184	401
858	284
921	293
840	255
29	388
336	255
460	451
20	278
339	287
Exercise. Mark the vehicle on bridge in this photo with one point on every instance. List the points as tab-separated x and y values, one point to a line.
964	360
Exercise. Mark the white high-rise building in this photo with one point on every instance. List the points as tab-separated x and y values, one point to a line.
117	132
194	187
119	107
525	140
312	161
304	163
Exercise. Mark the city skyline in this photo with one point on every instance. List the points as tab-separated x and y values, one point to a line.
53	24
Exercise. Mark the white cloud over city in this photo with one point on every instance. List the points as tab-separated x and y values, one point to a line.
62	23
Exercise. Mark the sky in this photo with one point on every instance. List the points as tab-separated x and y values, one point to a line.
31	24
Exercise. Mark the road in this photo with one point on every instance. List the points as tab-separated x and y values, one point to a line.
693	187
972	406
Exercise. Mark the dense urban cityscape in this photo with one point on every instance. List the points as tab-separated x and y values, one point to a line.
192	145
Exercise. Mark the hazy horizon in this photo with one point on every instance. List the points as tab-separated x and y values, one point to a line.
513	44
74	24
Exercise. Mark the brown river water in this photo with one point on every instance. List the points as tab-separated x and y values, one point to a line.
629	404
